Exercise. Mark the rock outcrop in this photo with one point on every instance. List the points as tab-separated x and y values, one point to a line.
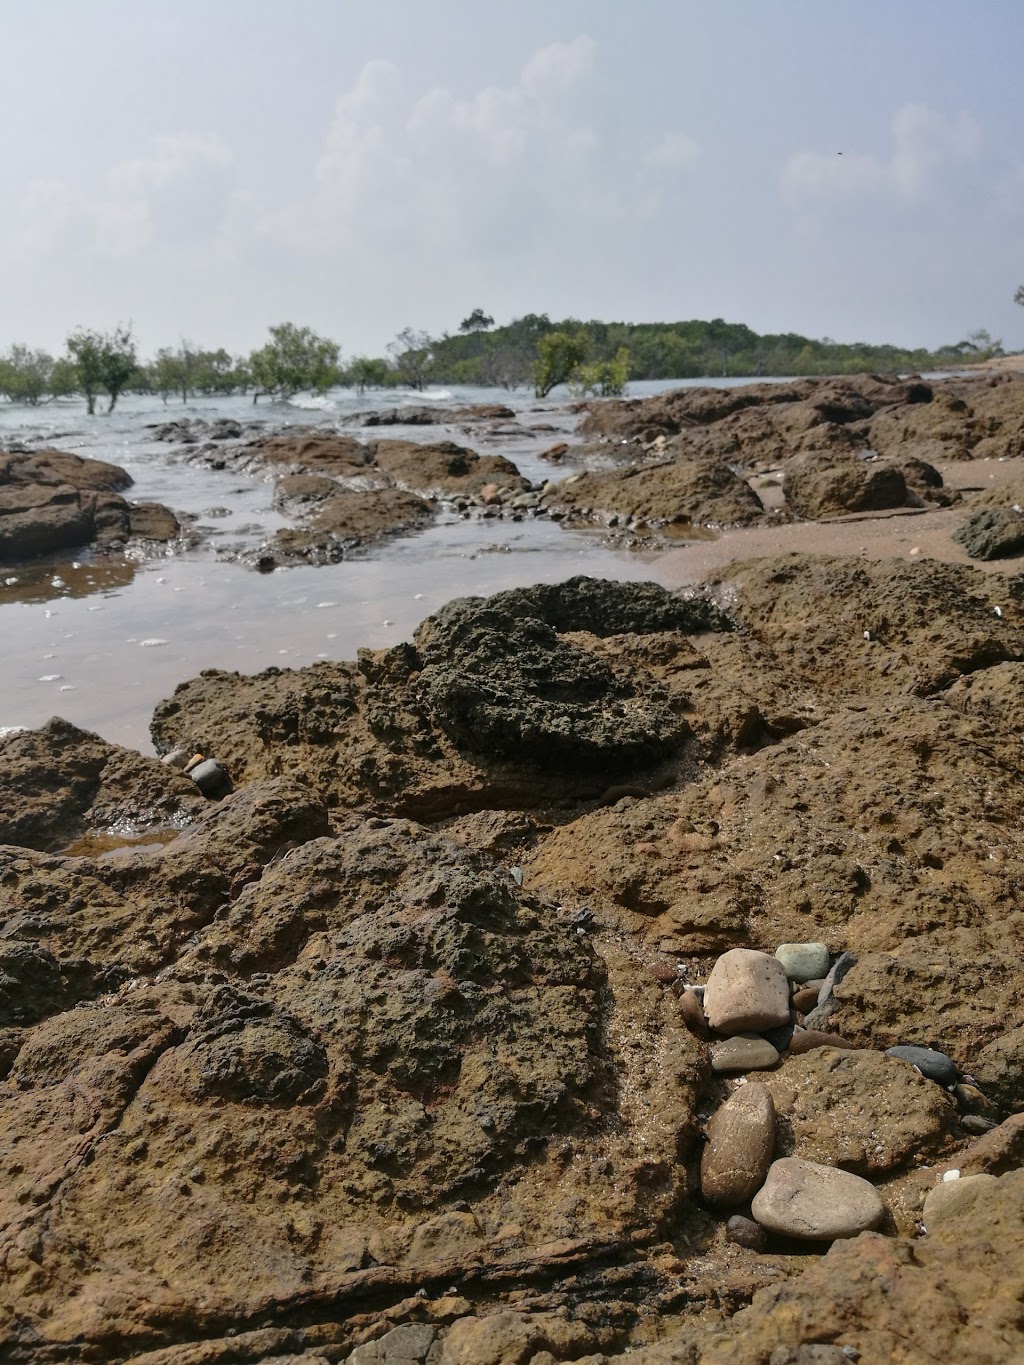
405	1049
51	501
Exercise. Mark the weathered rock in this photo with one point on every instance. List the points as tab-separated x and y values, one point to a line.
998	1151
954	1199
346	520
675	491
952	1295
860	1110
746	991
409	1344
803	961
999	1068
743	1052
52	501
517	693
992	533
807	1039
935	1065
444	468
59	783
740	1145
826	484
816	1203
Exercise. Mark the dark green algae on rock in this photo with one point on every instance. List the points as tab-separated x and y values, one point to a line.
498	700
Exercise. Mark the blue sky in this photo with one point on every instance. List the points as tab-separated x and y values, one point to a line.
845	169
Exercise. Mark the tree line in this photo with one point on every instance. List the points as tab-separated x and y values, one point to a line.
590	357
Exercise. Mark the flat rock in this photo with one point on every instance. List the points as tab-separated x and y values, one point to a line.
807	1039
816	1203
743	1052
740	1145
931	1063
747	991
803	961
954	1199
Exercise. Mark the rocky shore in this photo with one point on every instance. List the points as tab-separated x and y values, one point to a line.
606	970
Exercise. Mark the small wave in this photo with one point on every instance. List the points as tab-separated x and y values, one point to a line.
315	403
11	730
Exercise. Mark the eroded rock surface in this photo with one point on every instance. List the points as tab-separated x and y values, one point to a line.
393	1049
51	500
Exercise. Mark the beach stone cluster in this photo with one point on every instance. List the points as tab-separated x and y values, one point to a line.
753	1011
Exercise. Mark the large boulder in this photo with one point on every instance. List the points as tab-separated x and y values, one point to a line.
825	484
702	492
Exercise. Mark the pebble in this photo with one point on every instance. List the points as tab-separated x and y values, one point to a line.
805	999
746	991
816	1203
744	1232
803	961
931	1063
806	1040
177	758
693	1013
740	1146
212	779
743	1052
970	1100
954	1198
665	972
977	1124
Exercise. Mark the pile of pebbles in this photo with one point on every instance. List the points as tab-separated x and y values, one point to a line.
753	1010
209	774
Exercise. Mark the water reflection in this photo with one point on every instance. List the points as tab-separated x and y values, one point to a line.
45	580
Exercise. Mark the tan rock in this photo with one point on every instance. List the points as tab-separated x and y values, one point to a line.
816	1203
861	1110
954	1199
747	991
740	1145
744	1052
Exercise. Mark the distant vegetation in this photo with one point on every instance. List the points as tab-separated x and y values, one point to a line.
590	357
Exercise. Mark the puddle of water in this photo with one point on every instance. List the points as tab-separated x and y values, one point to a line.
109	845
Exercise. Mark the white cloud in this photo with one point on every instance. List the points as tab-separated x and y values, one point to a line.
673	152
925	145
559	66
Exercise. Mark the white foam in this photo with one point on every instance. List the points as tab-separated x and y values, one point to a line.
151	643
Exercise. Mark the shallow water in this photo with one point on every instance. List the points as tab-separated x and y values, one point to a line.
101	640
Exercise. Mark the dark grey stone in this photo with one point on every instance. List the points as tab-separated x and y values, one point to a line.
931	1063
212	779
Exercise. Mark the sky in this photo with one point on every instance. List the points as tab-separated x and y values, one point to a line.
204	168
